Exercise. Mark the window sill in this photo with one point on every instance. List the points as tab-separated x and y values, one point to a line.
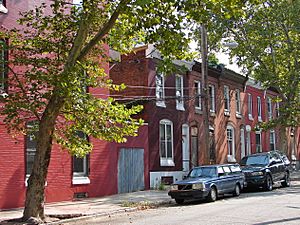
260	119
26	181
227	113
161	104
180	107
81	180
250	117
238	115
198	111
168	162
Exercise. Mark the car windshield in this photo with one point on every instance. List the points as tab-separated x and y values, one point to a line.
202	172
257	160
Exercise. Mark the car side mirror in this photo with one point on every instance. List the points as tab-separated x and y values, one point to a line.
184	177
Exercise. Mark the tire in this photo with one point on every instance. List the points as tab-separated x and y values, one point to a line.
212	195
268	183
179	201
287	180
237	190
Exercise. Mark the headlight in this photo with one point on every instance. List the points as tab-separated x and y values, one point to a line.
260	173
174	187
198	186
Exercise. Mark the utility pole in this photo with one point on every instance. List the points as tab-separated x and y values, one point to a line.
205	94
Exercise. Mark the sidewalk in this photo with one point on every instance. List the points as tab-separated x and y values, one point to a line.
104	206
96	206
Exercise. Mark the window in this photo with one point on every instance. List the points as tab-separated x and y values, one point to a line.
160	90
269	107
30	141
212	100
259	109
230	140
3	8
238	102
248	140
226	99
277	109
198	103
258	141
250	107
179	92
166	143
3	63
272	140
81	166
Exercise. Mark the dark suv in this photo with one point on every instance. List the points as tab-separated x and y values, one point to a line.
265	169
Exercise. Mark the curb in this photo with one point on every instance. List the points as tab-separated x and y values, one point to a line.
103	214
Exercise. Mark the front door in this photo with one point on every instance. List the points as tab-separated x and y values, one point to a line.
185	148
194	146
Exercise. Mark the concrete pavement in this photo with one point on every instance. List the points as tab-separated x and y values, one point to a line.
63	212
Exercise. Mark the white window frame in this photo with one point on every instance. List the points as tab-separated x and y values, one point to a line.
230	140
259	111
269	108
166	160
83	176
179	92
160	90
226	100
238	102
197	86
212	98
250	106
272	140
258	146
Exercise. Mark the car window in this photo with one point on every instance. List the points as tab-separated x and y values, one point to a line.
220	171
226	169
235	169
255	160
202	172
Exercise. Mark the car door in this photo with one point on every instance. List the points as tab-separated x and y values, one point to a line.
228	181
273	168
280	167
221	179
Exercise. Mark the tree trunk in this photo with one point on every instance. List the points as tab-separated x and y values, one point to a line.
34	204
283	140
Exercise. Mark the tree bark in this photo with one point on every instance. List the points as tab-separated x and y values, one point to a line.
35	198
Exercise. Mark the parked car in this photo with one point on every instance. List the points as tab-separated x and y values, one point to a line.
265	169
208	182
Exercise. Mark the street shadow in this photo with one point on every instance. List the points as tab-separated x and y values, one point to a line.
281	221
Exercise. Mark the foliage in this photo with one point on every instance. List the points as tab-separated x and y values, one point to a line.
268	37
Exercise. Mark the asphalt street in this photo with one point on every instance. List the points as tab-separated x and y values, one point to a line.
281	206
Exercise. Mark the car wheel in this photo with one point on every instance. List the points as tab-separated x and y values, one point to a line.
237	190
287	180
268	183
179	201
212	195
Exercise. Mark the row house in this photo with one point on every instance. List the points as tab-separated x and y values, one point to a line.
103	172
173	111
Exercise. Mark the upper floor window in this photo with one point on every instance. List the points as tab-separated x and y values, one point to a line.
272	140
277	109
30	143
259	109
3	63
226	99
238	102
81	165
160	90
198	102
212	98
258	141
269	107
230	140
166	143
179	92
250	107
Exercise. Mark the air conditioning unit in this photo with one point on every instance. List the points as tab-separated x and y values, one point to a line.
3	9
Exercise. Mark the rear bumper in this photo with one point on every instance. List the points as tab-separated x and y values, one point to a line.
188	194
255	181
